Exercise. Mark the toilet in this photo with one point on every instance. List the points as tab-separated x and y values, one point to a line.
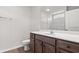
26	44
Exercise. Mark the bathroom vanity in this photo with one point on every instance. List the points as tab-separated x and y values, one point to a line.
53	43
65	39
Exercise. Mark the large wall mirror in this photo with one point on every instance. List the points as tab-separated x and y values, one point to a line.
60	18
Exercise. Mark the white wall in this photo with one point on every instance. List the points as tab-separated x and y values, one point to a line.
12	32
35	18
44	20
38	20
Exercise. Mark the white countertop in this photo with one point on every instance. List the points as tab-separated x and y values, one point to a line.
65	35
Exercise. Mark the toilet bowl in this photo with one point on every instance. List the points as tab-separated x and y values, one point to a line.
26	44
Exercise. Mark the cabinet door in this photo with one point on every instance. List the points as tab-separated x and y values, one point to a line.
31	42
32	45
47	48
38	46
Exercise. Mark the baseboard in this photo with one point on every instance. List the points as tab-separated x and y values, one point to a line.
1	51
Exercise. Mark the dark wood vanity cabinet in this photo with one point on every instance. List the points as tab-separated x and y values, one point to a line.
45	44
42	44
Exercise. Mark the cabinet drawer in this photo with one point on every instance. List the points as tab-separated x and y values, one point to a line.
73	47
45	39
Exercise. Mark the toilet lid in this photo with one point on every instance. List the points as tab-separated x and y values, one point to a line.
25	41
